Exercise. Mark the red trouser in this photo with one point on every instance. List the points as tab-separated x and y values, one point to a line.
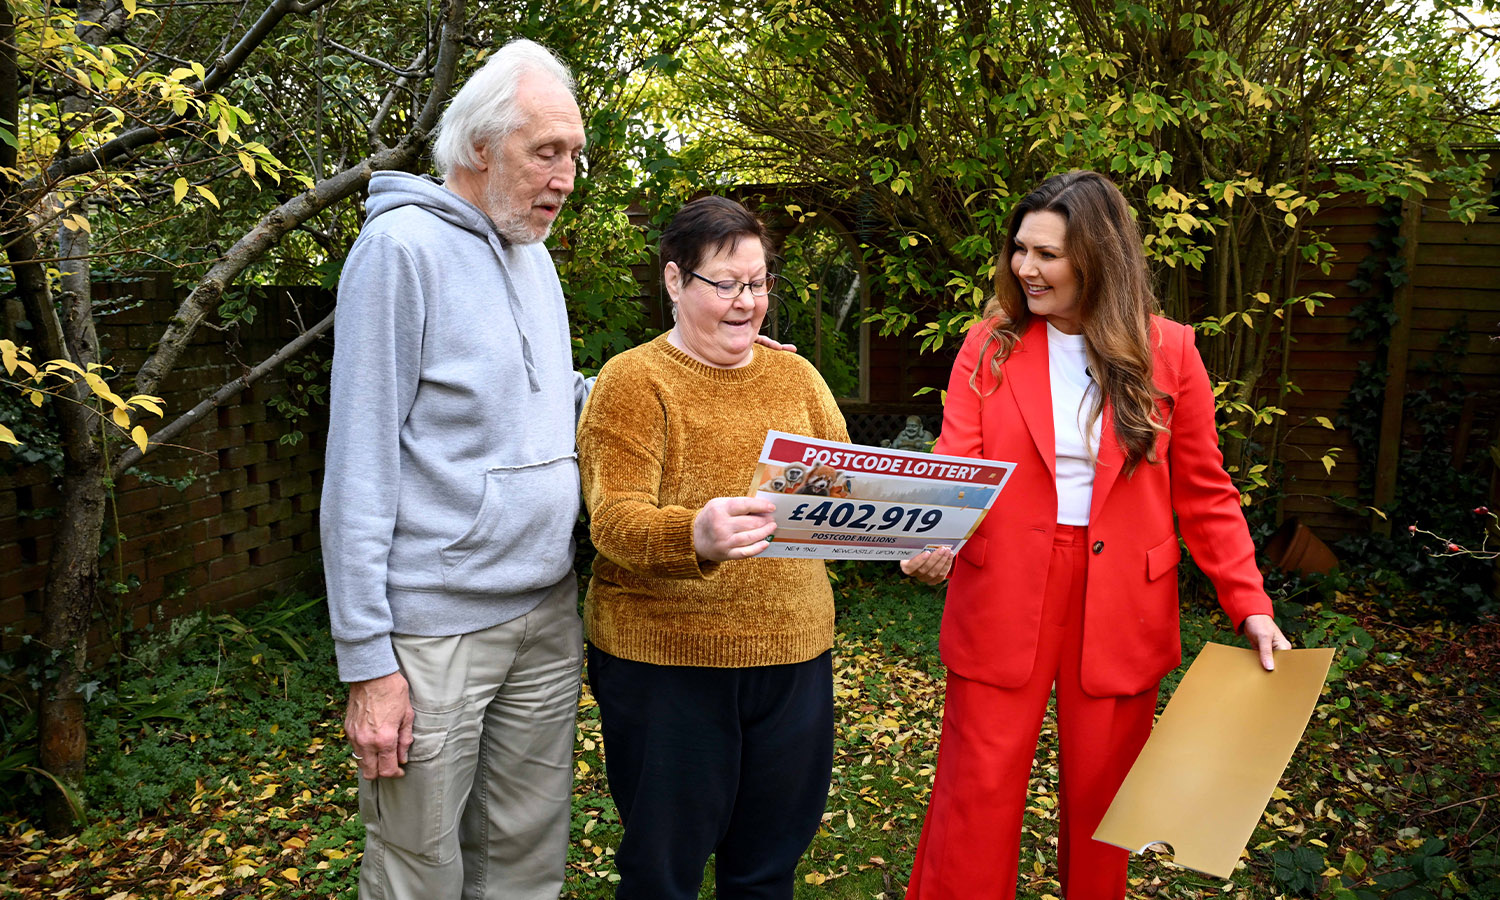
970	843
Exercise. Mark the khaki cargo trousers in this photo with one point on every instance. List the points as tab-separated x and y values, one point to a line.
482	812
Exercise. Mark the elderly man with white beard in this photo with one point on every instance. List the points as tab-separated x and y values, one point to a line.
449	500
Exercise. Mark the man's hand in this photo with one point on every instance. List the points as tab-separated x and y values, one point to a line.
1264	636
378	725
771	344
733	527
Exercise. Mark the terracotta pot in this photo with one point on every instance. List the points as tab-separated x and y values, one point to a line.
1294	548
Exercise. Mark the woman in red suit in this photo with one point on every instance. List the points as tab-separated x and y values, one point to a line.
1071	581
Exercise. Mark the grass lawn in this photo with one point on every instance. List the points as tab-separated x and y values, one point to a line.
220	769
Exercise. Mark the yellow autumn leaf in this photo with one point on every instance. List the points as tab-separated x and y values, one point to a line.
120	417
179	190
208	195
101	388
147	402
54	365
138	434
8	437
35	397
291	875
10	354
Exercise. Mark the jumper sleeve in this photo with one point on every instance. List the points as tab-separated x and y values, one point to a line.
1205	499
621	443
376	369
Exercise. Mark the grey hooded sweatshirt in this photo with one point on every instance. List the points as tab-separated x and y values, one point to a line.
451	483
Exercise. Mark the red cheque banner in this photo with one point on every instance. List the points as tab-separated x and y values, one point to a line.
850	501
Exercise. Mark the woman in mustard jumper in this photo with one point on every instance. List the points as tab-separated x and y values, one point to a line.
712	671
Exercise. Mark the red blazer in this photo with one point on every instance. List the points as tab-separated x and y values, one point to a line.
1131	635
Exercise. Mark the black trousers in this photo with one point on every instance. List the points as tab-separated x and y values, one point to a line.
733	762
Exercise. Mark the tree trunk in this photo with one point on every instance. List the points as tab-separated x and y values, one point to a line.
64	329
67	608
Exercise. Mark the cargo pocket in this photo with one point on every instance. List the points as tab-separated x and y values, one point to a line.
409	812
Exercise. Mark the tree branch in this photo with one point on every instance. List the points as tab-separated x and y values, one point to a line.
377	63
190	418
224	68
276	223
390	96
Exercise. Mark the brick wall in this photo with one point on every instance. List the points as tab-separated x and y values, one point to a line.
243	529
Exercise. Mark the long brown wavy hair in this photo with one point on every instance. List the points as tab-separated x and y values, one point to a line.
1114	291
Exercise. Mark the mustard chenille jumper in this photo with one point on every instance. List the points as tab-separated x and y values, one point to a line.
661	435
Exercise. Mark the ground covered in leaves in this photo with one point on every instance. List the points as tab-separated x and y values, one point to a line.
220	769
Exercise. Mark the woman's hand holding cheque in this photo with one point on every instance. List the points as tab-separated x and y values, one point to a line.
733	528
929	566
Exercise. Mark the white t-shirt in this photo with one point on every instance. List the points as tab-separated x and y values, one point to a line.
1072	400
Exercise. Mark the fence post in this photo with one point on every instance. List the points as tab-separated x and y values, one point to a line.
1388	456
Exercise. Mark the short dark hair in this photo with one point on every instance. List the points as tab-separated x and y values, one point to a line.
707	226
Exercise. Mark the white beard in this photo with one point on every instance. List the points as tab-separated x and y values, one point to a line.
509	220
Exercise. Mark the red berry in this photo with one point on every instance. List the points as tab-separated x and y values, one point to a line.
1454	548
1412	529
1481	510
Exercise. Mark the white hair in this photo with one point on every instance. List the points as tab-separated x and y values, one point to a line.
485	109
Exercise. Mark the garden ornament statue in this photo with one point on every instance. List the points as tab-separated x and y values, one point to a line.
912	437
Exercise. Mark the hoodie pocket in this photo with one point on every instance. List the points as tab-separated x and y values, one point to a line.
522	536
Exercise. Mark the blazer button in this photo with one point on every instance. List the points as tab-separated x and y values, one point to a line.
1098	547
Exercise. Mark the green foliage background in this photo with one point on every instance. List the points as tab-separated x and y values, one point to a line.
1229	125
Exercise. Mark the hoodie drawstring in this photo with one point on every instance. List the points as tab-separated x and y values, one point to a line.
515	314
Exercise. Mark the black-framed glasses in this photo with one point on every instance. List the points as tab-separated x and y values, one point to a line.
728	290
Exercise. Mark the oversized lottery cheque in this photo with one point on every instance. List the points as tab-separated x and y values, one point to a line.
849	501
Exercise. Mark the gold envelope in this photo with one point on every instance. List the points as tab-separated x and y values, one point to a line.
1208	769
